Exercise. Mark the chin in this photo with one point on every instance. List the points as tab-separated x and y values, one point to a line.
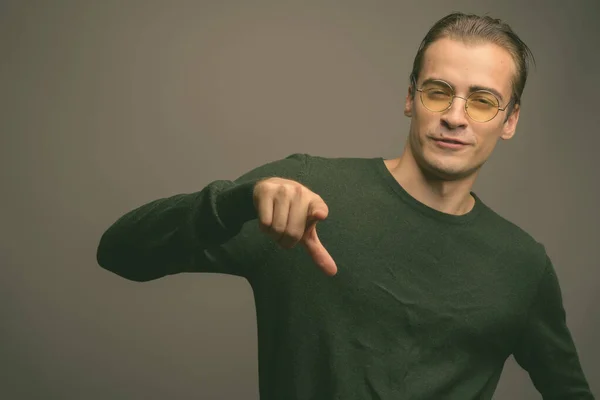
448	170
446	174
438	166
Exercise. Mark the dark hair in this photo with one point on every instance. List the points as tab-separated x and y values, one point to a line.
473	28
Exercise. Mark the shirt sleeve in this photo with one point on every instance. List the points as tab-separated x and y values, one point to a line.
205	231
546	349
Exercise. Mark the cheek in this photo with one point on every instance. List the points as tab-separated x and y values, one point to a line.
424	119
486	142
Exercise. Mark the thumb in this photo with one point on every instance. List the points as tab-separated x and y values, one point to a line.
318	252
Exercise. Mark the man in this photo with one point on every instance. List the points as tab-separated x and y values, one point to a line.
422	291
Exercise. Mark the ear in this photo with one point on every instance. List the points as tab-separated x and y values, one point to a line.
408	104
510	125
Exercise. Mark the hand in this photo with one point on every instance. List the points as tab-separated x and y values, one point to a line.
288	212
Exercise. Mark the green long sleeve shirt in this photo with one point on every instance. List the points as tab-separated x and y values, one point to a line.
425	305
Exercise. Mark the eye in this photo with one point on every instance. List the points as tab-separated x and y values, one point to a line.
483	100
436	92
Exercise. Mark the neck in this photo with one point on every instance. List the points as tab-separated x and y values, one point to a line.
450	197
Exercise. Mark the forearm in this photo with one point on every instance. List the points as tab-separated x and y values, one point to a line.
166	236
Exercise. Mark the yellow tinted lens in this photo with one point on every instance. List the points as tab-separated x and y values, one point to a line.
482	106
436	97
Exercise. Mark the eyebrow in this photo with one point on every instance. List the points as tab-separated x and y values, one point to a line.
472	88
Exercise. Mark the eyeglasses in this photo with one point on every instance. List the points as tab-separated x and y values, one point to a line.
480	105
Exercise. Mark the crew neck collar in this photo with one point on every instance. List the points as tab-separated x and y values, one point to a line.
379	163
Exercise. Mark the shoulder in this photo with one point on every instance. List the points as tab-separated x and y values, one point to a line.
514	242
338	166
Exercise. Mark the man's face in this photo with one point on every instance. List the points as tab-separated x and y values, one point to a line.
463	66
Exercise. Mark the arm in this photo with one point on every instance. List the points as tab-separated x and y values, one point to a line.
196	232
546	349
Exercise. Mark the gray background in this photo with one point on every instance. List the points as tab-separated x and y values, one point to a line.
108	105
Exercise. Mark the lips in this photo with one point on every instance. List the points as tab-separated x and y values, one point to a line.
450	144
452	141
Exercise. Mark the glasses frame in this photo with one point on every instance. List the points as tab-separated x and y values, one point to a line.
466	99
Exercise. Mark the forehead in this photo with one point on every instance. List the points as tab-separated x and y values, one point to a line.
463	65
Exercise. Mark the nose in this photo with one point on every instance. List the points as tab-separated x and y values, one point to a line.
456	116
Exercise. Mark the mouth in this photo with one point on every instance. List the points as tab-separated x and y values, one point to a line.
449	143
445	140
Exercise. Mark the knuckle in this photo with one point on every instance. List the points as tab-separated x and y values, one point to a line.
263	226
295	235
293	188
263	221
282	191
278	228
299	190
